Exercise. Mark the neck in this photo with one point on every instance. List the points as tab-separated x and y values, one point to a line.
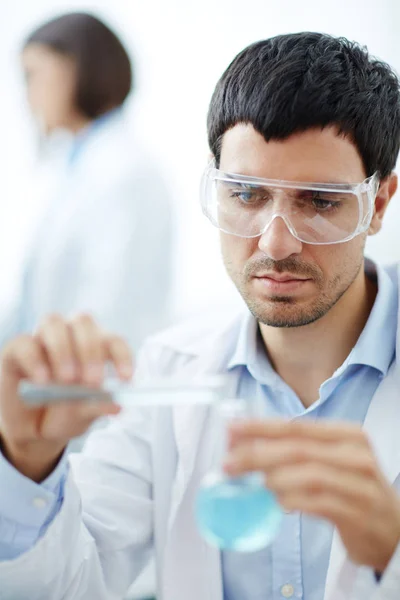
307	356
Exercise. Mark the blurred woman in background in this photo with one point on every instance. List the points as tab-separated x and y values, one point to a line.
104	243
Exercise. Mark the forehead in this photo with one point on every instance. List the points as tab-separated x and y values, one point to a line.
313	155
36	56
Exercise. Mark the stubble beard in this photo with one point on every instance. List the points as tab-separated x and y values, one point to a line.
287	311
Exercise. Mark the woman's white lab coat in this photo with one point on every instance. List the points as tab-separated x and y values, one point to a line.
104	242
133	489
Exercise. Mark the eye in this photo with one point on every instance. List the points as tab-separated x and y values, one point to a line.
323	204
248	195
245	196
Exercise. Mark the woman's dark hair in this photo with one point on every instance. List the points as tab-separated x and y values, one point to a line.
103	65
291	83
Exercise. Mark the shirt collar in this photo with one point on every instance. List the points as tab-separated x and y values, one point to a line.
375	347
250	352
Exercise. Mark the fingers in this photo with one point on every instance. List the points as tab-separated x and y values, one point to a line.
69	420
345	471
310	469
324	505
65	352
120	355
76	351
90	352
24	358
266	455
54	340
313	480
277	429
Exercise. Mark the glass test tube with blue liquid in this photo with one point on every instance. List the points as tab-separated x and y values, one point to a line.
236	513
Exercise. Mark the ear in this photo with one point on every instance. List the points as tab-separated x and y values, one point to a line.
387	189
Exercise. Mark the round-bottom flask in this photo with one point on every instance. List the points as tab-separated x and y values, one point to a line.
236	513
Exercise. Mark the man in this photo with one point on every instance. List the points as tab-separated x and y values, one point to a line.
304	130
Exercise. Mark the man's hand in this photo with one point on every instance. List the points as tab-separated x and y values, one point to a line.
326	470
72	352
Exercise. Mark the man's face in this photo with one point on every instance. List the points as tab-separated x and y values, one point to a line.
315	277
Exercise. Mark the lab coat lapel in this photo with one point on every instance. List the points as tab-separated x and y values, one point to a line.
188	558
193	426
345	580
191	567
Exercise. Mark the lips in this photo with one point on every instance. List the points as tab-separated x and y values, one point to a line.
281	278
282	284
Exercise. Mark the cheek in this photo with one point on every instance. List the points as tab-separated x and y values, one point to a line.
339	262
236	250
43	94
32	96
36	91
58	91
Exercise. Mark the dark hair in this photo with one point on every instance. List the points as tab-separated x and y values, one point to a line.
103	65
291	83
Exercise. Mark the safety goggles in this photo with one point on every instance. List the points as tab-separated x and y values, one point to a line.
314	213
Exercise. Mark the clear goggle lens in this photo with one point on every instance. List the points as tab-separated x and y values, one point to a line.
314	213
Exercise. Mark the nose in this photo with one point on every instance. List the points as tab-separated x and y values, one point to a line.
277	242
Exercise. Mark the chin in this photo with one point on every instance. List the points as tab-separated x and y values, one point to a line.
285	312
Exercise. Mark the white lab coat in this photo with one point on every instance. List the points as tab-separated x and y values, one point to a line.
104	242
133	489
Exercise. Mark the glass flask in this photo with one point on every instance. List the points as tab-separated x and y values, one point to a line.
236	513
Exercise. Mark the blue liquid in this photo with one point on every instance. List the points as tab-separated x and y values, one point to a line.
237	514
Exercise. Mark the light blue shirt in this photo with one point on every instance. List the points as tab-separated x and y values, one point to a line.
299	557
30	507
296	564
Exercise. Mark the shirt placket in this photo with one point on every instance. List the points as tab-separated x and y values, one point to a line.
286	560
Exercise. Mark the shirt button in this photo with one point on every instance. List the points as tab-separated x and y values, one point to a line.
39	502
287	590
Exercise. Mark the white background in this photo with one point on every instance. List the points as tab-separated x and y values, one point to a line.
181	48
